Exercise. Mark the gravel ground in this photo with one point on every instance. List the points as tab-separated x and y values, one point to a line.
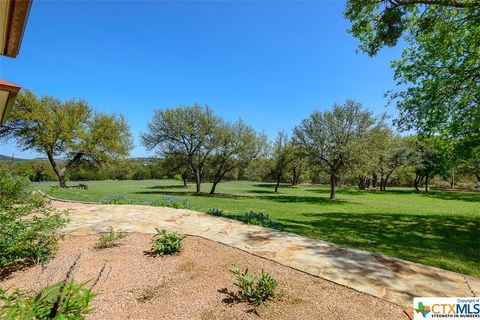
194	284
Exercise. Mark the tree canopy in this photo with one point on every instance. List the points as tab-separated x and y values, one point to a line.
187	132
438	74
67	132
336	138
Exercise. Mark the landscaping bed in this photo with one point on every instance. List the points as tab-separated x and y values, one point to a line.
196	283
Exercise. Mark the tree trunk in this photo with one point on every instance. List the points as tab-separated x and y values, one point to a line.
59	172
197	181
214	185
362	182
219	177
416	182
333	186
385	181
452	180
61	179
279	176
478	177
426	184
374	180
382	184
184	178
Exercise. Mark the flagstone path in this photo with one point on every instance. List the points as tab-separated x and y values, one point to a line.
392	279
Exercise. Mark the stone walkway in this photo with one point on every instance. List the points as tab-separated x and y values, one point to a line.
394	280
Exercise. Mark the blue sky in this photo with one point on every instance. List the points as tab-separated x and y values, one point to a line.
269	62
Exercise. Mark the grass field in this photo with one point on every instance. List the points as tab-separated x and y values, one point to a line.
441	229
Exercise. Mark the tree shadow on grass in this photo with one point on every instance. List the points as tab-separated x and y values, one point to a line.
272	185
439	194
262	191
301	199
192	194
272	197
355	192
165	187
454	195
448	242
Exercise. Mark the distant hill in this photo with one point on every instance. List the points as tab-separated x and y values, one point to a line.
9	158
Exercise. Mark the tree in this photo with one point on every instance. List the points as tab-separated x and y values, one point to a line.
176	164
186	131
238	145
429	160
297	168
68	130
283	154
394	156
336	138
366	165
439	71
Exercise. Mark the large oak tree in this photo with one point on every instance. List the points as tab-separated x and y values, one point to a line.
188	132
335	139
237	145
67	132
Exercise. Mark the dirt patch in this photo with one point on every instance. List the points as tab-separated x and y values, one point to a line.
195	284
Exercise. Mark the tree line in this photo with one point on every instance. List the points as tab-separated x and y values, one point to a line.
346	144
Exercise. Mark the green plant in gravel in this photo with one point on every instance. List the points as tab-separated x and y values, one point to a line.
253	290
27	224
165	243
109	239
63	300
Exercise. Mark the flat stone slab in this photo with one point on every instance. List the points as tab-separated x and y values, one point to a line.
391	279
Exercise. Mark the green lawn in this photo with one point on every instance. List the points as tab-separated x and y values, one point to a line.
441	229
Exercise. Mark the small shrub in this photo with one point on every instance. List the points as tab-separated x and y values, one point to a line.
215	212
27	224
259	219
252	290
164	242
82	186
170	202
117	199
52	188
109	239
63	300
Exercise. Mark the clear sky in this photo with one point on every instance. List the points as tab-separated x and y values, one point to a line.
269	62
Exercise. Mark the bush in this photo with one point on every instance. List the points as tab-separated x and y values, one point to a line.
82	186
109	239
165	242
171	202
252	290
251	217
215	212
63	300
52	188
259	219
117	199
27	225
